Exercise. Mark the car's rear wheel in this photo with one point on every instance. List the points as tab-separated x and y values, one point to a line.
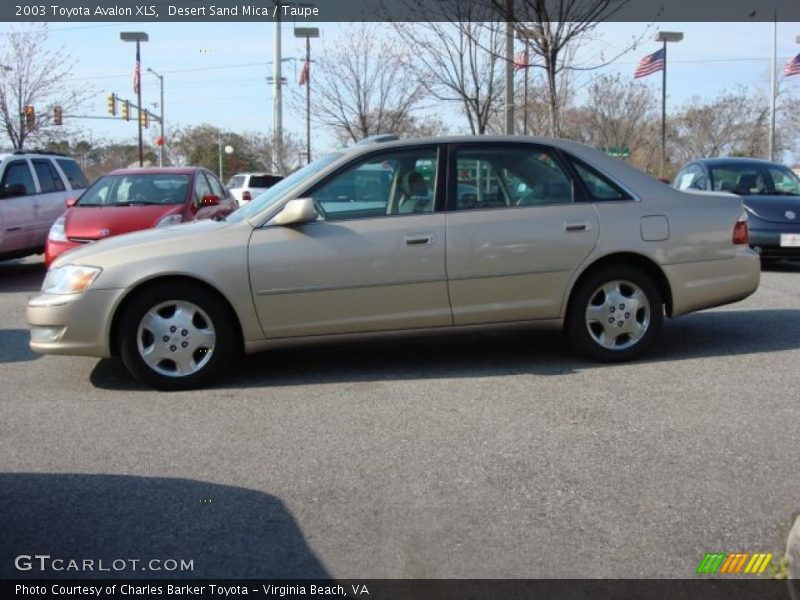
615	314
176	336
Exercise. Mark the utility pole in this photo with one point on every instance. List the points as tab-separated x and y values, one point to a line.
137	36
277	108
509	109
773	83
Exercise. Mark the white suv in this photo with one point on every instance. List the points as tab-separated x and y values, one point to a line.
33	189
246	186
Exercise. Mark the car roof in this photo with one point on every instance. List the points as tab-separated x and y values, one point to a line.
156	171
736	160
257	173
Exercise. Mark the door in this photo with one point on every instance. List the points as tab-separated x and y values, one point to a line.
17	213
515	234
50	201
373	261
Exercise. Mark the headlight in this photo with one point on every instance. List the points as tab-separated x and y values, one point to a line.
57	232
71	279
170	220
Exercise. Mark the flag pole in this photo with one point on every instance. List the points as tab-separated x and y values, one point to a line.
664	113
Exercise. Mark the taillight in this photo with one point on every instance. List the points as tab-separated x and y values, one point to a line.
246	197
741	235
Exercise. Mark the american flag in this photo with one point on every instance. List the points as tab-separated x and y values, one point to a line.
650	64
521	62
793	66
304	74
137	71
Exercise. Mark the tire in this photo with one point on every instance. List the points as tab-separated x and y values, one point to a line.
600	302
176	336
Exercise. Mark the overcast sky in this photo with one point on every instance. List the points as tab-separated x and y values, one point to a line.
216	73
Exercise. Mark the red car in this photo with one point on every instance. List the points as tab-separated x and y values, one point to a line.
128	200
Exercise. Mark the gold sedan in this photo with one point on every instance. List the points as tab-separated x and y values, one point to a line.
407	235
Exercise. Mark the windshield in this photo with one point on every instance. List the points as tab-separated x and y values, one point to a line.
136	189
755	179
280	189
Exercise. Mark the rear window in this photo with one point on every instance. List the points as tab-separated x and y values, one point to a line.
264	181
77	180
236	182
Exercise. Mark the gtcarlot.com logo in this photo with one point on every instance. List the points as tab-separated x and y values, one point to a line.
45	562
734	563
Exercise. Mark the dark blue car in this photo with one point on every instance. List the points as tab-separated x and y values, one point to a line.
770	193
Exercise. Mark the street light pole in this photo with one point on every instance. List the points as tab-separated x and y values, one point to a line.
162	151
509	73
773	83
137	36
307	33
665	36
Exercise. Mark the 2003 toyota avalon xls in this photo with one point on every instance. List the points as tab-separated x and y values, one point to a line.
412	235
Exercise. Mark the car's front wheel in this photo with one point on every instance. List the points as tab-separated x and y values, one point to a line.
176	336
615	314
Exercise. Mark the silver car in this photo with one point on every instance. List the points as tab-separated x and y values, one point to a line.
428	235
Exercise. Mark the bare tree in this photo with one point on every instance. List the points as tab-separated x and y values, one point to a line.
735	122
553	29
616	113
32	75
361	85
451	58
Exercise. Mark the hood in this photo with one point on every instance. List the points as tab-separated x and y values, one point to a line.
132	243
100	222
774	208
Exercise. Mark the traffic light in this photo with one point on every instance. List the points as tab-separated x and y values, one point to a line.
58	116
144	118
126	110
112	105
30	117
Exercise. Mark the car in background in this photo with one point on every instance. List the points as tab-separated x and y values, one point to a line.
246	186
770	193
33	188
128	200
470	232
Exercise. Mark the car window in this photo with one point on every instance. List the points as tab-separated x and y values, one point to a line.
49	180
263	181
133	189
18	172
201	187
597	185
77	180
392	183
742	179
236	182
784	181
216	186
500	177
692	177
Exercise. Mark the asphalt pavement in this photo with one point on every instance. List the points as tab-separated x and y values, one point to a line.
497	455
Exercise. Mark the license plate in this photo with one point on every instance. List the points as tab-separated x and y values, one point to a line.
791	240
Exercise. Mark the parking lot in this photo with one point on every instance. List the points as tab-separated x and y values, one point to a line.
491	455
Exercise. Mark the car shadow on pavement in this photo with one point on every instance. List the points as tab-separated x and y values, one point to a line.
14	346
228	532
21	276
488	354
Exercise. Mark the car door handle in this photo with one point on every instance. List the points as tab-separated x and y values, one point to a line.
418	240
577	226
14	229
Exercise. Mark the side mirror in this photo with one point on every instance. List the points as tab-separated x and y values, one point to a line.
209	200
70	202
12	189
300	210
